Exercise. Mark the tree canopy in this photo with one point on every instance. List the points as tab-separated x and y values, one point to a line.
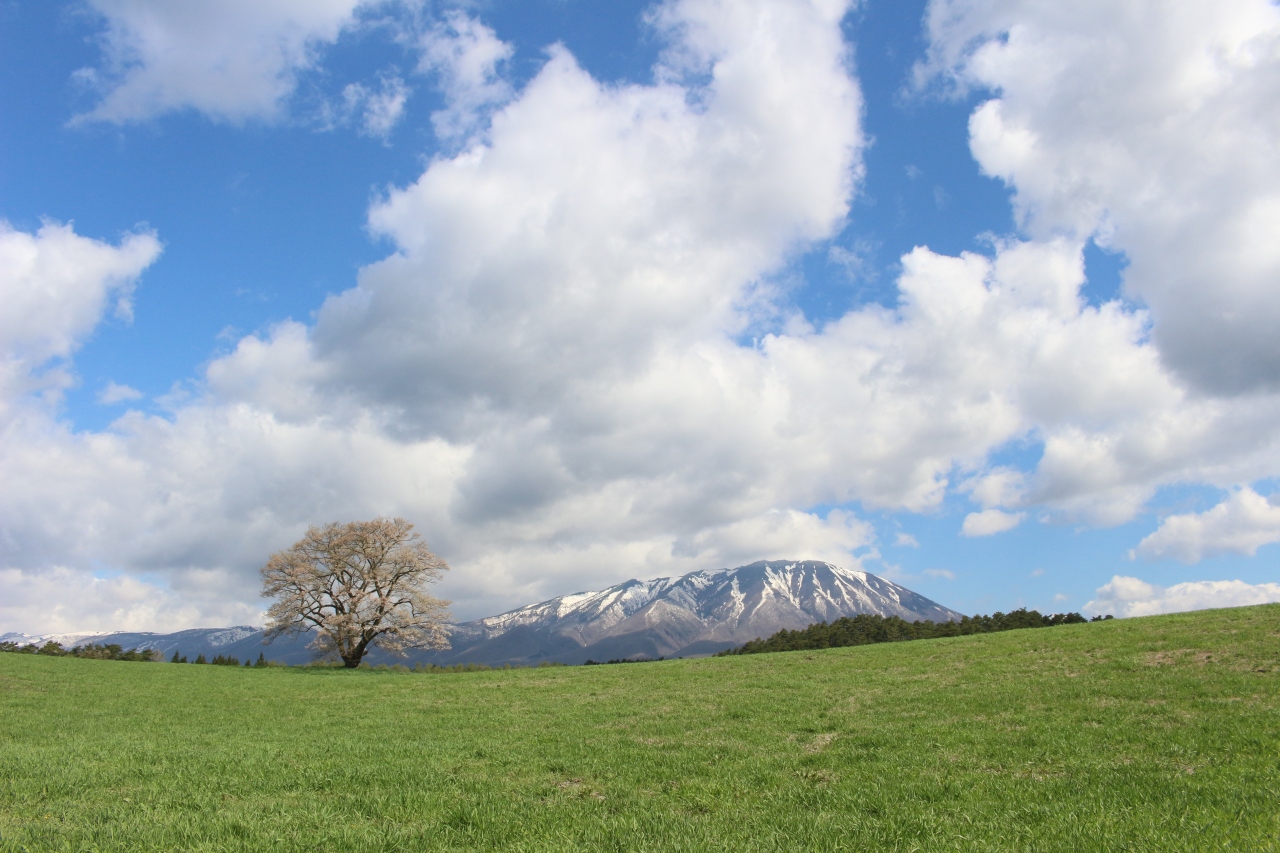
357	585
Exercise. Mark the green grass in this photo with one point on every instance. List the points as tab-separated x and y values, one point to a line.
1143	734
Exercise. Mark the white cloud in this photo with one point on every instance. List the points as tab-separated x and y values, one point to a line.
1152	127
781	535
378	111
519	408
906	540
1002	486
116	393
546	372
66	600
55	287
1241	524
989	522
945	574
468	56
232	60
855	261
1125	596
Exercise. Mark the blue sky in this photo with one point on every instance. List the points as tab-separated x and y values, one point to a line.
366	278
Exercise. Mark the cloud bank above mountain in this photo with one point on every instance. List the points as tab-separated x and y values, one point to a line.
579	362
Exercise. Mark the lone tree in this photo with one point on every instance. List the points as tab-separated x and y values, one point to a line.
357	585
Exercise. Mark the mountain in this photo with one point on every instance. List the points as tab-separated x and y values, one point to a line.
241	641
64	639
696	614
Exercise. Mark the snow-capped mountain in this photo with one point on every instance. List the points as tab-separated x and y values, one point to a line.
698	613
19	638
236	641
68	640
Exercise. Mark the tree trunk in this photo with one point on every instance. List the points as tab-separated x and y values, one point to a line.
352	659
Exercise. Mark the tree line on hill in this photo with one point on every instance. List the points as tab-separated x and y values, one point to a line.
223	660
865	629
590	662
113	651
110	651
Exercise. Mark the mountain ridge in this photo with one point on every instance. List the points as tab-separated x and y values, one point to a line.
701	612
695	614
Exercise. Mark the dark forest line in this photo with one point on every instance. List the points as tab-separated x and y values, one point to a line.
866	629
110	651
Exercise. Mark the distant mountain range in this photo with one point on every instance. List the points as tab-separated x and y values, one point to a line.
241	641
698	614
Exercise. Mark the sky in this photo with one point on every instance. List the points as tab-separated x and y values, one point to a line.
976	295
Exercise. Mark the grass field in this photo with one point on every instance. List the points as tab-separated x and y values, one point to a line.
1143	734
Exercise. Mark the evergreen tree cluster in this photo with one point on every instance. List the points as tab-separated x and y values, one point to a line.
866	629
590	662
221	660
110	651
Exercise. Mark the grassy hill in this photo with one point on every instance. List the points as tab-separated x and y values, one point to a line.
1142	734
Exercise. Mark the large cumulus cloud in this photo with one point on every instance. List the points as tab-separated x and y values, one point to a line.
601	229
1152	127
576	365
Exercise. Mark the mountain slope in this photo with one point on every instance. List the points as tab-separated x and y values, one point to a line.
696	614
